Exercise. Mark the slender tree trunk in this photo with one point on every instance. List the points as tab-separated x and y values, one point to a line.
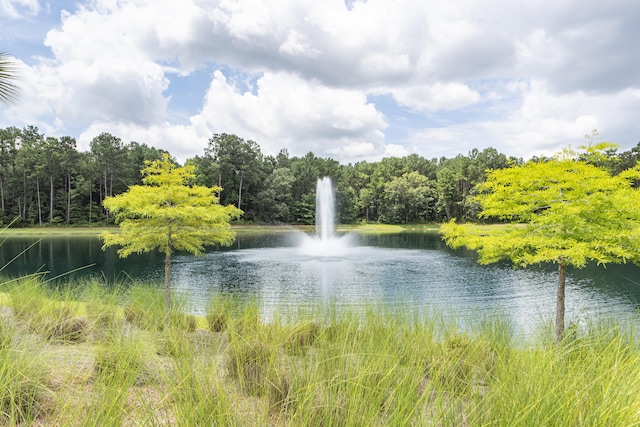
240	192
167	277
2	193
52	198
99	190
39	205
24	195
167	282
106	192
69	198
562	274
90	200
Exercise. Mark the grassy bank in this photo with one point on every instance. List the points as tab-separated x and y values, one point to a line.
91	357
241	229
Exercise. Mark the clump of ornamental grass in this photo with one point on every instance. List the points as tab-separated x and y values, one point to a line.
27	298
59	323
246	319
121	358
145	308
24	391
121	366
218	321
175	343
102	308
301	337
184	321
6	333
221	310
54	317
196	393
249	361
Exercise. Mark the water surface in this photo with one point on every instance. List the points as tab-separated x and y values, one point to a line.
405	270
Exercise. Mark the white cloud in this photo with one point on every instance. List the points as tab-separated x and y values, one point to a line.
39	87
522	76
248	19
18	8
288	111
181	142
298	44
395	150
544	123
440	96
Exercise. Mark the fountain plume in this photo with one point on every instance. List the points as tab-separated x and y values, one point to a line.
324	209
325	243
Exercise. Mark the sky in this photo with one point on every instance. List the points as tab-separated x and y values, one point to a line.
351	80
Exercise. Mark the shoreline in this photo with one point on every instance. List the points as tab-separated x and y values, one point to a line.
71	231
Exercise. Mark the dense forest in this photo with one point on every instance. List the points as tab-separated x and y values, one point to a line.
46	180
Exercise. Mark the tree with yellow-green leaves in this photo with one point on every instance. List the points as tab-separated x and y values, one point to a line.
562	211
168	213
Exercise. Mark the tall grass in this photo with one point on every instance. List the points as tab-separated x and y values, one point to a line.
24	389
314	367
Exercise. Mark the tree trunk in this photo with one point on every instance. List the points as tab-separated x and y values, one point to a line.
562	274
90	199
110	193
52	198
24	195
2	193
167	282
240	192
39	205
167	278
69	199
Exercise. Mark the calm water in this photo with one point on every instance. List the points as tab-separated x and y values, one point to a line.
406	270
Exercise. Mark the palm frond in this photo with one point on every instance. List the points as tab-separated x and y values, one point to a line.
9	91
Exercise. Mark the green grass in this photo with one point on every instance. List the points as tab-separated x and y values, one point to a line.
242	229
311	367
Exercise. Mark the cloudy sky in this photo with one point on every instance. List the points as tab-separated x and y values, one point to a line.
348	79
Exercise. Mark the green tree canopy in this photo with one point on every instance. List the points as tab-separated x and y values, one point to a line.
167	213
563	211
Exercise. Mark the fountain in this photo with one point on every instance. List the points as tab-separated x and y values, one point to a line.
324	209
325	243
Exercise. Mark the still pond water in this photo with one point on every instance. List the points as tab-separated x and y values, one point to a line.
405	270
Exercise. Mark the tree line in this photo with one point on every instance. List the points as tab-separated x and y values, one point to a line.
46	180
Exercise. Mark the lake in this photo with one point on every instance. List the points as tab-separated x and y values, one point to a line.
402	270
